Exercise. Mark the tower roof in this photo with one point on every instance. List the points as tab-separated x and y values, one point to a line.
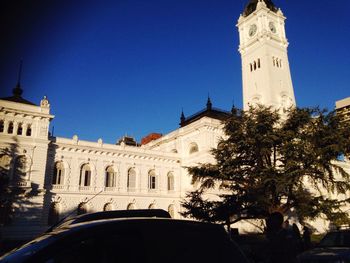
209	111
251	6
17	96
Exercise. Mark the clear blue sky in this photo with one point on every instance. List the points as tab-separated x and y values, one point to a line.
111	68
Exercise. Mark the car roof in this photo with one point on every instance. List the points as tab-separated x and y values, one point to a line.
123	213
158	213
139	220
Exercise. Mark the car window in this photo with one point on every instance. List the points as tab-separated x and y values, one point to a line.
101	247
336	239
192	244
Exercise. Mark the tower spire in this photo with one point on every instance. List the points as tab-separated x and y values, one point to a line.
182	118
17	91
209	104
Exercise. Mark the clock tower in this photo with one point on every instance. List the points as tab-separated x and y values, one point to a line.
263	47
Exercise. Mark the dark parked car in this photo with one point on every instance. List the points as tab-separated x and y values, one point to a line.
111	214
131	240
333	248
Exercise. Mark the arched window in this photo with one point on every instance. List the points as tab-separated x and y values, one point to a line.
131	206
85	175
82	208
254	65
171	210
58	173
108	207
251	67
20	170
54	214
110	177
29	130
152	180
19	129
1	126
193	148
273	61
170	181
10	128
131	182
258	62
152	206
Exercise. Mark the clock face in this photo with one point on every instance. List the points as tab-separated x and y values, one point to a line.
252	30
272	27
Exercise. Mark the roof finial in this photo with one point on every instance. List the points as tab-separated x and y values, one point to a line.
209	104
17	91
182	118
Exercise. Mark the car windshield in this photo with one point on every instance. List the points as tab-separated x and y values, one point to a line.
28	249
336	239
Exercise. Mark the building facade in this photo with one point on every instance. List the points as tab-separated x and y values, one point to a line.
343	108
72	176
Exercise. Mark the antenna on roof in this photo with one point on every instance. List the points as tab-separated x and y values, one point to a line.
19	73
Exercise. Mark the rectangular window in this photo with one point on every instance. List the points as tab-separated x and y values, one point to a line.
152	182
59	173
87	178
131	181
170	183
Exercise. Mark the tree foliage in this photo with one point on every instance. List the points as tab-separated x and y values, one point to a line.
268	161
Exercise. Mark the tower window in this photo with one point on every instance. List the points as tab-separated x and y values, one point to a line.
277	62
251	67
258	62
10	128
1	126
29	130
19	129
254	65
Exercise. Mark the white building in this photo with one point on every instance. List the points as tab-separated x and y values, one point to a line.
70	175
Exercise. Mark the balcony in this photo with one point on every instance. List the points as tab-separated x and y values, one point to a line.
58	187
21	184
110	189
85	188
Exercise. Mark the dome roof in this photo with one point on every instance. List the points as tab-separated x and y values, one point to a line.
251	6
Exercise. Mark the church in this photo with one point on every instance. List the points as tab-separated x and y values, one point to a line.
70	176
